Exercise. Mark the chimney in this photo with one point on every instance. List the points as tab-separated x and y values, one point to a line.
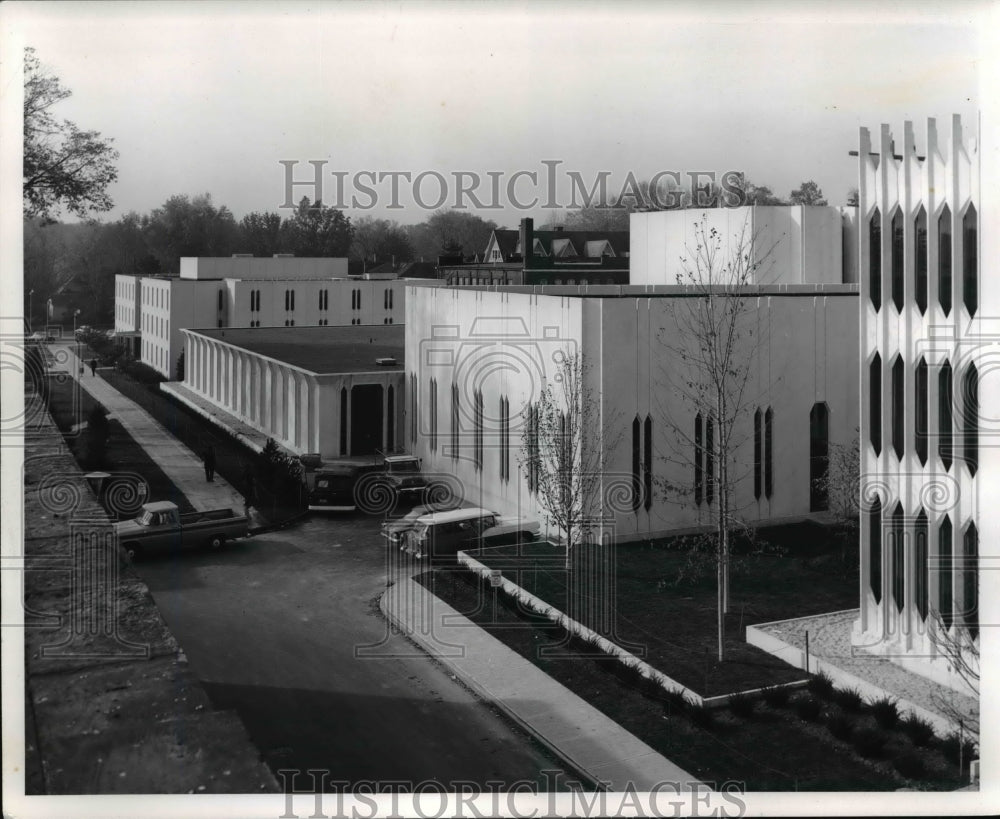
527	238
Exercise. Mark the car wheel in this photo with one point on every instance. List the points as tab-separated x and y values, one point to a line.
216	541
133	551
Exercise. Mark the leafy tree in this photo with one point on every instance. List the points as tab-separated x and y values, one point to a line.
260	234
64	166
452	228
317	230
852	197
808	193
380	240
760	195
97	433
189	226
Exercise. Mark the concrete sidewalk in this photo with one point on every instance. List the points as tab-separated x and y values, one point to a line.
572	728
183	467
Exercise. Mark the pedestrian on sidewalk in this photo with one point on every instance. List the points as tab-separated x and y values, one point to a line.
208	456
93	367
248	488
81	368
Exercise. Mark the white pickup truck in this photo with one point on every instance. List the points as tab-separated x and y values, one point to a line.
161	527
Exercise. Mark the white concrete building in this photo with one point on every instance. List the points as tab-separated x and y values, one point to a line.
247	292
477	358
928	305
793	244
336	391
128	311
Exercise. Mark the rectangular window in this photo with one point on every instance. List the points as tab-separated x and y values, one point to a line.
636	465
758	451
434	414
454	422
698	456
647	464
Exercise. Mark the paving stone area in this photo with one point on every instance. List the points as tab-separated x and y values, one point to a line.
830	643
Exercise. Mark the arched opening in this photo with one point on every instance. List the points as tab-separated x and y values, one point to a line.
945	552
920	259
898	409
970	580
920	564
970	260
875	403
898	557
920	411
970	418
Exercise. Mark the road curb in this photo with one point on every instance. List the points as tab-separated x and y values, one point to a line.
577	768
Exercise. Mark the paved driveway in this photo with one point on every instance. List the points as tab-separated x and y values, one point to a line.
273	625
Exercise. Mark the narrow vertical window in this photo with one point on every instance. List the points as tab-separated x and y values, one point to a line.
769	452
343	420
647	463
945	569
709	460
875	403
945	423
636	465
454	422
293	299
920	260
478	437
359	299
970	418
390	423
970	260
898	559
698	459
970	580
920	411
875	549
898	407
819	457
920	564
896	251
758	453
875	260
944	260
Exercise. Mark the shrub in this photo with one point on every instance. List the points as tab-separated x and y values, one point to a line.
869	742
776	696
742	705
955	748
910	765
885	712
849	699
808	709
674	702
701	715
919	732
821	685
841	726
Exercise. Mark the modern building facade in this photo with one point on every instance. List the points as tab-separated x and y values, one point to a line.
477	359
929	473
246	292
792	244
335	391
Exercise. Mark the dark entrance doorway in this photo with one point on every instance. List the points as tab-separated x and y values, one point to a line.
366	419
819	458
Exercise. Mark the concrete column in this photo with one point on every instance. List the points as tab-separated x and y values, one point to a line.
255	390
313	389
291	406
267	399
303	403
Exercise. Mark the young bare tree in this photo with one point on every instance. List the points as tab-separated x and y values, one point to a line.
711	349
841	487
566	445
960	650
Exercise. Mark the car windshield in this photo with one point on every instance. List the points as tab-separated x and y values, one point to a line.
403	466
147	518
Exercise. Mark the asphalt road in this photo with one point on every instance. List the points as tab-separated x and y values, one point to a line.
272	626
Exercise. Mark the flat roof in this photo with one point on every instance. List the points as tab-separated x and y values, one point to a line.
321	350
633	291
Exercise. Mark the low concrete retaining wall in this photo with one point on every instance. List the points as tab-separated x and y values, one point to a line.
611	649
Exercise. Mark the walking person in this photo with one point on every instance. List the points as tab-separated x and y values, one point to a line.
248	490
208	456
93	367
81	369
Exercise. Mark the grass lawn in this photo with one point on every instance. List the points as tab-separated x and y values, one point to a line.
70	406
673	626
194	431
771	749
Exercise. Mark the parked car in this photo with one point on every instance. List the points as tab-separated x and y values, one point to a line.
394	529
339	485
439	536
160	526
333	488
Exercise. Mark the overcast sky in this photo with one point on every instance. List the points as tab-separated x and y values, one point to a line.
209	98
